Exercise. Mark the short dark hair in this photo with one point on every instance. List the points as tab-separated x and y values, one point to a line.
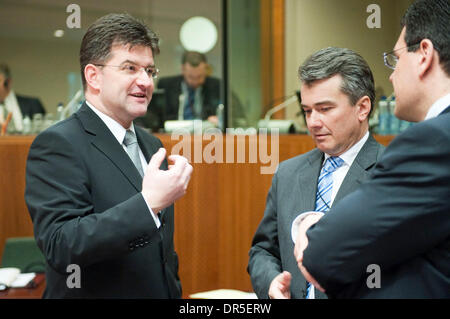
429	19
4	69
114	29
194	58
357	78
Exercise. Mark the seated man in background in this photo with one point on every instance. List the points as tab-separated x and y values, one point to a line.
19	106
337	93
200	93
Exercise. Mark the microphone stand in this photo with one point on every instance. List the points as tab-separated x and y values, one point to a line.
284	126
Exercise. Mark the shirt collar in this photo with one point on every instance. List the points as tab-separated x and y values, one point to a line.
438	106
116	129
349	156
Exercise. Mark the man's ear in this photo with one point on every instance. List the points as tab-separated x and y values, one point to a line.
92	75
364	106
426	56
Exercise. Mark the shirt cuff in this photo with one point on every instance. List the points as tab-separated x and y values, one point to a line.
298	220
155	218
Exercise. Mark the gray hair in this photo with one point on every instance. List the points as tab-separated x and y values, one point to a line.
357	78
4	69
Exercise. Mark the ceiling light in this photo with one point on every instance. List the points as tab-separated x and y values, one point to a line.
58	33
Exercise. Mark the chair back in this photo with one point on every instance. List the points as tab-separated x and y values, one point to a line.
23	253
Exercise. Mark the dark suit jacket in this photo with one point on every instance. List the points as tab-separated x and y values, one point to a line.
172	87
399	220
83	195
293	191
30	106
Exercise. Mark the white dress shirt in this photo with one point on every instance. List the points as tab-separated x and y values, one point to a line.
438	107
119	133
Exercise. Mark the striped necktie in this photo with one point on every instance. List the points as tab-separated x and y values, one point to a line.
325	183
324	190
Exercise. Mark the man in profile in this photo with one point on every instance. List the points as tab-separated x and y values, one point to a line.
398	223
337	93
194	94
94	201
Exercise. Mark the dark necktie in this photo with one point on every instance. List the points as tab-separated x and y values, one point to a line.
188	113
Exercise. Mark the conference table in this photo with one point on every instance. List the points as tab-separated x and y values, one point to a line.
214	222
34	292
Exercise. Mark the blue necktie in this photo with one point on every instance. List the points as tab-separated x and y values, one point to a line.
325	188
188	113
325	183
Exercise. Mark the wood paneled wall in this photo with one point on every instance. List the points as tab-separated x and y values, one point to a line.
14	218
272	54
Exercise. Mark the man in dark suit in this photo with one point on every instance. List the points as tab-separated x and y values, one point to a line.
391	238
337	94
30	106
193	94
96	205
20	106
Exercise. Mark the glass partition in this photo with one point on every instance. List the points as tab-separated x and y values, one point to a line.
41	40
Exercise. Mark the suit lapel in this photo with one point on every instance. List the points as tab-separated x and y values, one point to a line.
358	172
105	142
447	110
308	182
147	150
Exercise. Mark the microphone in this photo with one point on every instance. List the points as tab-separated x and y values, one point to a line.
186	126
284	126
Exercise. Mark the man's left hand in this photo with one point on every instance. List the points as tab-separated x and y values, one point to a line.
300	245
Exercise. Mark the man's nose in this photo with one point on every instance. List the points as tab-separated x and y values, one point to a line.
391	76
144	79
314	120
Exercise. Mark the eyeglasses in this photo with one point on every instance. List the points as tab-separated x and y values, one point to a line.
390	59
133	69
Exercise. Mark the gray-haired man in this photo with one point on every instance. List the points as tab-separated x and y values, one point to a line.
337	91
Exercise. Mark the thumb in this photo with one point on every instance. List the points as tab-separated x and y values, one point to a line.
286	278
157	159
